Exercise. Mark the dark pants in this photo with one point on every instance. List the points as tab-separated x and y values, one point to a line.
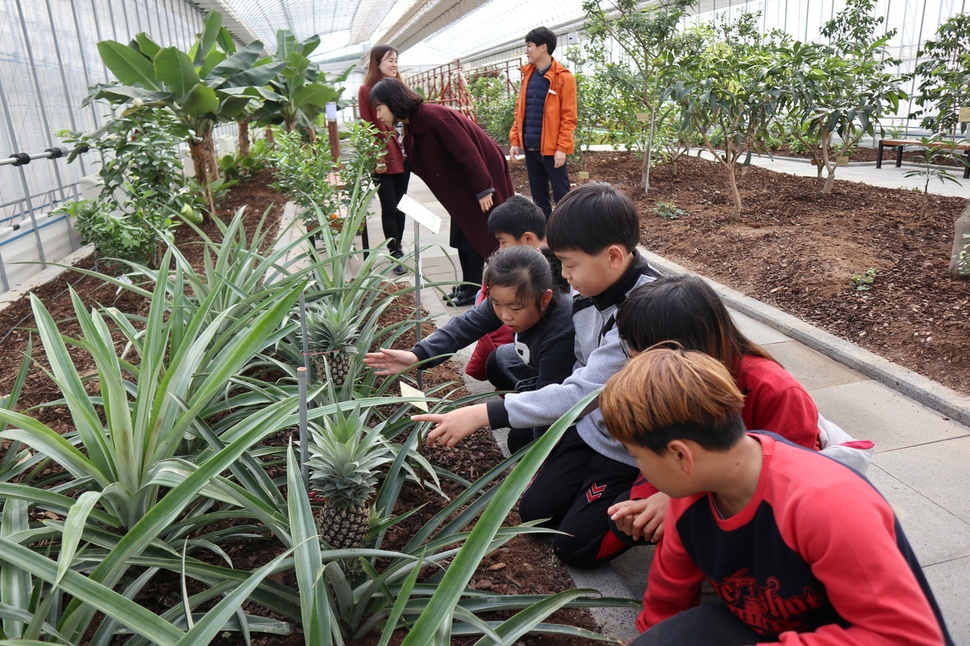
543	173
573	489
506	371
709	624
472	267
390	190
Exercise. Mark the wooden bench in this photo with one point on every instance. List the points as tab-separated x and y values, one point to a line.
899	144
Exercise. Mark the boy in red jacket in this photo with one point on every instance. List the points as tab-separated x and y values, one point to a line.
752	514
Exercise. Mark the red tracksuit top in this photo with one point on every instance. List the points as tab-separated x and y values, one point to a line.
816	557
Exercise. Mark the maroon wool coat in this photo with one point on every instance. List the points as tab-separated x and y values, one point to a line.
460	164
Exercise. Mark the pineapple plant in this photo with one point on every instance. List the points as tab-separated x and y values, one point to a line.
332	332
344	459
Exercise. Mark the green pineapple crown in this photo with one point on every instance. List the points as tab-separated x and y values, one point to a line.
344	459
333	327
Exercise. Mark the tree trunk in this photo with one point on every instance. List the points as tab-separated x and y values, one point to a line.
243	137
210	151
829	179
735	193
199	161
647	158
269	135
961	240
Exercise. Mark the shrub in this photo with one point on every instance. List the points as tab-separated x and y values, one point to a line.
865	281
670	211
494	105
144	189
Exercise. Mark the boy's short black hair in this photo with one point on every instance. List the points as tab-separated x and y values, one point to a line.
591	217
542	36
516	216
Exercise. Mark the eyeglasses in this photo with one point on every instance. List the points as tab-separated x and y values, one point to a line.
625	346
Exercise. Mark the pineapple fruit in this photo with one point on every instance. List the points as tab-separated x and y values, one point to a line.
344	459
333	331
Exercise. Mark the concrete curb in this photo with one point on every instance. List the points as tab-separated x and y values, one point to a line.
45	276
926	391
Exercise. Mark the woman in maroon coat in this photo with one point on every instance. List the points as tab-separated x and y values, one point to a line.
462	166
393	171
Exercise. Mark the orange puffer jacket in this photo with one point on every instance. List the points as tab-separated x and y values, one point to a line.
559	116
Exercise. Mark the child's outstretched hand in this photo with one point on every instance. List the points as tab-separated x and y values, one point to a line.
641	518
390	362
451	428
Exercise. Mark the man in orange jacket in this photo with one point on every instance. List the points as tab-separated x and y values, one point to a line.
545	118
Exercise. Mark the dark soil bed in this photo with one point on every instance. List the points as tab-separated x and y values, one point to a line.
797	249
522	566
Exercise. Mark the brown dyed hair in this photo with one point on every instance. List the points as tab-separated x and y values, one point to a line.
377	54
667	394
686	310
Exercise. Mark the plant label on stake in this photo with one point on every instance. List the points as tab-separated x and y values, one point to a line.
964	115
423	217
420	214
407	390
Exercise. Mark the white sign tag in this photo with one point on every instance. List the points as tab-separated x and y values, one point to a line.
408	390
420	213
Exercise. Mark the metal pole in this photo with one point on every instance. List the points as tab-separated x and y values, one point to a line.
417	296
84	63
67	92
301	379
303	333
3	276
48	131
23	176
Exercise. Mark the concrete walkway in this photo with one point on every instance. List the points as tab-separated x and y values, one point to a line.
921	429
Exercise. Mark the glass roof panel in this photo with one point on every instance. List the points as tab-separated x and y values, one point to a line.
442	34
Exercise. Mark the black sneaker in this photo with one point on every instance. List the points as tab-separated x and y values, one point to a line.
399	269
464	295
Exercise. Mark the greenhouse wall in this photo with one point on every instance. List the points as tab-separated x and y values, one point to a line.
48	59
915	21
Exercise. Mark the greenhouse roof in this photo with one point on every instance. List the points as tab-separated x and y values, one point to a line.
436	30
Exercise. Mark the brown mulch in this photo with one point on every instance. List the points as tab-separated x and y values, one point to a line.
797	250
522	566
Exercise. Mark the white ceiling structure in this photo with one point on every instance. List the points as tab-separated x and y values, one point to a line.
425	32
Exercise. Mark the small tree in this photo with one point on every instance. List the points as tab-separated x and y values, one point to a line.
210	83
144	190
844	87
936	152
944	73
300	92
733	89
494	103
651	46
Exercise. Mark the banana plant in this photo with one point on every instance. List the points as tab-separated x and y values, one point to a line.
302	91
210	84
